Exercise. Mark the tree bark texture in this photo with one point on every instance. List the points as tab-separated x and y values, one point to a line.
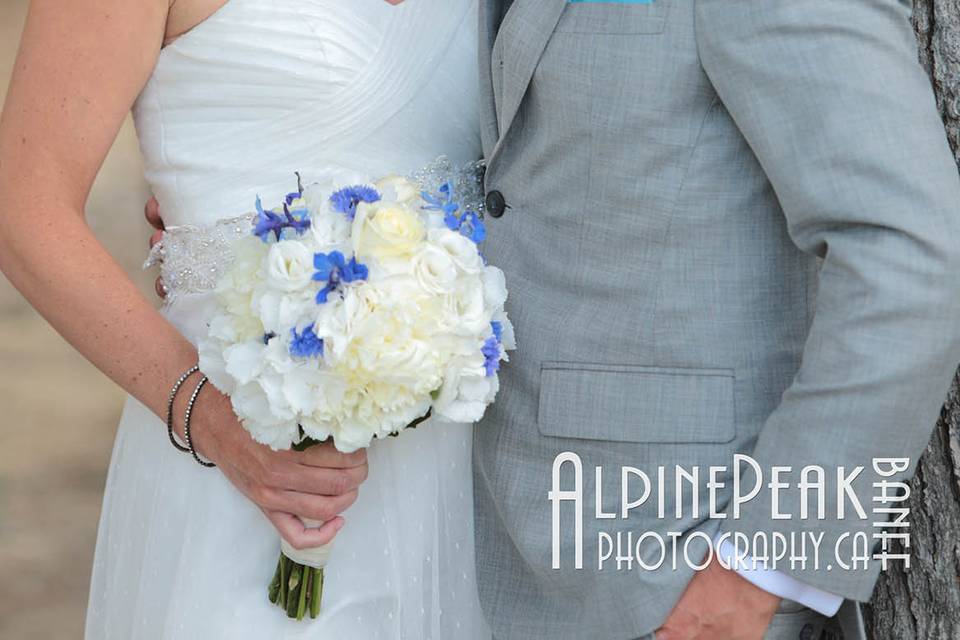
923	602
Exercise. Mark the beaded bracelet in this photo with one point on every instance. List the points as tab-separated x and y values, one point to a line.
173	394
186	424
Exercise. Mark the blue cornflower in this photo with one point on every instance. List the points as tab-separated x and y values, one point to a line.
491	355
332	268
346	200
306	344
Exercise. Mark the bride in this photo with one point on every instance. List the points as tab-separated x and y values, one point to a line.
230	98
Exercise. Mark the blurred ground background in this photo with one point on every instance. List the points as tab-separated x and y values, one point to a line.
57	416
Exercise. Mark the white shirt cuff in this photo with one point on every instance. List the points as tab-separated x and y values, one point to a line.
777	582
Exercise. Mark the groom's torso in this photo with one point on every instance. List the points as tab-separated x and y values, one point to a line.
660	306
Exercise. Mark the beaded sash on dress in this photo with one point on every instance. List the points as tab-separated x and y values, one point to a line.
193	259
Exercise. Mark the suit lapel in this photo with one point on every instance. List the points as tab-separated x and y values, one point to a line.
525	31
490	12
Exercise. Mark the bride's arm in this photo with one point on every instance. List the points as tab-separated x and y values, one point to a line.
80	67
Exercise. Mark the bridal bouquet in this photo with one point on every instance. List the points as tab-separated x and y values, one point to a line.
354	311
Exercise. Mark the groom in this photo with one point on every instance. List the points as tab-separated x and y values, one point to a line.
728	226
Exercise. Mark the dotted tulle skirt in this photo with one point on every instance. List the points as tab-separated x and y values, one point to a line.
183	554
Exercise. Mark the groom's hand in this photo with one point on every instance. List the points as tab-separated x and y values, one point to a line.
718	603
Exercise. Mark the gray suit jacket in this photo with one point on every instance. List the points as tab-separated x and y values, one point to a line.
733	226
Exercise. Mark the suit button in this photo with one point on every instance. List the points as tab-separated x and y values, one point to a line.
496	204
807	632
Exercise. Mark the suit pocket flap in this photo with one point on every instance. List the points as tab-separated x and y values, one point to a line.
630	403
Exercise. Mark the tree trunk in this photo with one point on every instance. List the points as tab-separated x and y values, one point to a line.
923	602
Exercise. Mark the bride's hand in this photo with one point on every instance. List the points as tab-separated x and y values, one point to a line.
318	483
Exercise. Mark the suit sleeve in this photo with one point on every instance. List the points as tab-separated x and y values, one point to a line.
831	99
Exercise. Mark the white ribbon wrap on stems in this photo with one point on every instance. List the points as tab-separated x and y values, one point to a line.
315	557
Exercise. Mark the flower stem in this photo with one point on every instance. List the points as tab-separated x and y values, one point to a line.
304	587
273	593
296	588
317	594
284	588
296	584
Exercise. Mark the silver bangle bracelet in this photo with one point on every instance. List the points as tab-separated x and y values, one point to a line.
186	424
173	394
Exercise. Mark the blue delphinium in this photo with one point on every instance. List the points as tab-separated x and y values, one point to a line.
491	356
346	200
297	219
332	268
472	227
491	349
305	344
468	224
443	201
497	327
451	221
295	195
270	222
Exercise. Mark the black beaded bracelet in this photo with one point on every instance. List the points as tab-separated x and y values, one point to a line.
173	394
186	424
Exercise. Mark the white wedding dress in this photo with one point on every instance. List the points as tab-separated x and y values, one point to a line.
261	89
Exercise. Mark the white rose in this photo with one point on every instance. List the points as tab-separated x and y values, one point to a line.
461	249
289	266
386	231
434	269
